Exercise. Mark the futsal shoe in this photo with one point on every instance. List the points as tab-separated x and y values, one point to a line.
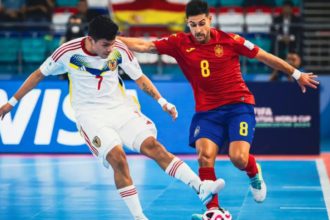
209	188
258	186
213	213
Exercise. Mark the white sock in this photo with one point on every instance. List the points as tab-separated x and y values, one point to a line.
180	170
130	196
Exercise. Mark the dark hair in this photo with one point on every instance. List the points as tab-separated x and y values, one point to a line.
102	27
196	7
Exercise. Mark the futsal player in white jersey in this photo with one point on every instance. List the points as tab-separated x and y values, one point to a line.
107	117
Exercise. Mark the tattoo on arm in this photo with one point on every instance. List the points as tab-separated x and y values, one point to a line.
148	90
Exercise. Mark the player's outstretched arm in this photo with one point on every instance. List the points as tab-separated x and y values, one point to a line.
29	84
146	85
138	45
304	79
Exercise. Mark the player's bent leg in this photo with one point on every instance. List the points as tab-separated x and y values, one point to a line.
207	151
116	157
239	155
151	148
178	169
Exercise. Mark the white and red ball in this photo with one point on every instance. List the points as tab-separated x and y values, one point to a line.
217	215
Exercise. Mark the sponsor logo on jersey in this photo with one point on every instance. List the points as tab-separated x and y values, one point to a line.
97	141
190	49
197	130
218	50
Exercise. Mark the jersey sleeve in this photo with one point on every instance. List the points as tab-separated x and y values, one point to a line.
50	67
244	47
53	66
129	62
167	45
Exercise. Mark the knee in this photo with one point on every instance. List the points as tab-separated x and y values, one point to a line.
206	159
239	159
153	149
117	159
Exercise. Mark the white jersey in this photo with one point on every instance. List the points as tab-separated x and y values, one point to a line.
94	82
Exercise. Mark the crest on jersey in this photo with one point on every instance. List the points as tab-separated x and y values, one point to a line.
97	141
218	50
114	59
197	130
112	64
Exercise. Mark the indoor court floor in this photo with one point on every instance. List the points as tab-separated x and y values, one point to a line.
78	187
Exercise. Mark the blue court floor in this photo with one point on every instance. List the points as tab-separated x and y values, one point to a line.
78	187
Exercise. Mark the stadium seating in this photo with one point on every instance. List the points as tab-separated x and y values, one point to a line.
264	42
60	20
98	3
231	19
53	42
9	53
231	3
71	3
33	53
33	50
258	19
295	2
213	3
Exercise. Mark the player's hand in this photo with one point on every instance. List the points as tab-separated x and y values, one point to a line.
307	80
168	107
171	109
5	109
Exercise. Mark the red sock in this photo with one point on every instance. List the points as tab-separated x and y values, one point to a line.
208	173
251	168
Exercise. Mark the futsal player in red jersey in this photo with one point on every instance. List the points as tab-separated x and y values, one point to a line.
209	58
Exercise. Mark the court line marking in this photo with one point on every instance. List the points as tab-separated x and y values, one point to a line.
317	188
325	183
49	163
302	208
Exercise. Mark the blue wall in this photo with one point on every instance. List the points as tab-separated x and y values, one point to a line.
42	122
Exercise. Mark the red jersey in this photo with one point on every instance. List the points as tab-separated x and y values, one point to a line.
213	69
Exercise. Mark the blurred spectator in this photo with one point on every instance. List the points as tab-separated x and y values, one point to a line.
294	60
286	30
38	10
85	12
74	29
10	10
268	3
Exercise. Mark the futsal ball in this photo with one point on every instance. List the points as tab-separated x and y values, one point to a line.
216	215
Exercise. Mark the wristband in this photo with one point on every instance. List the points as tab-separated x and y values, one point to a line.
296	74
12	101
162	101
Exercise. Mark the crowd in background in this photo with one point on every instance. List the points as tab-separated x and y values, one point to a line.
38	14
